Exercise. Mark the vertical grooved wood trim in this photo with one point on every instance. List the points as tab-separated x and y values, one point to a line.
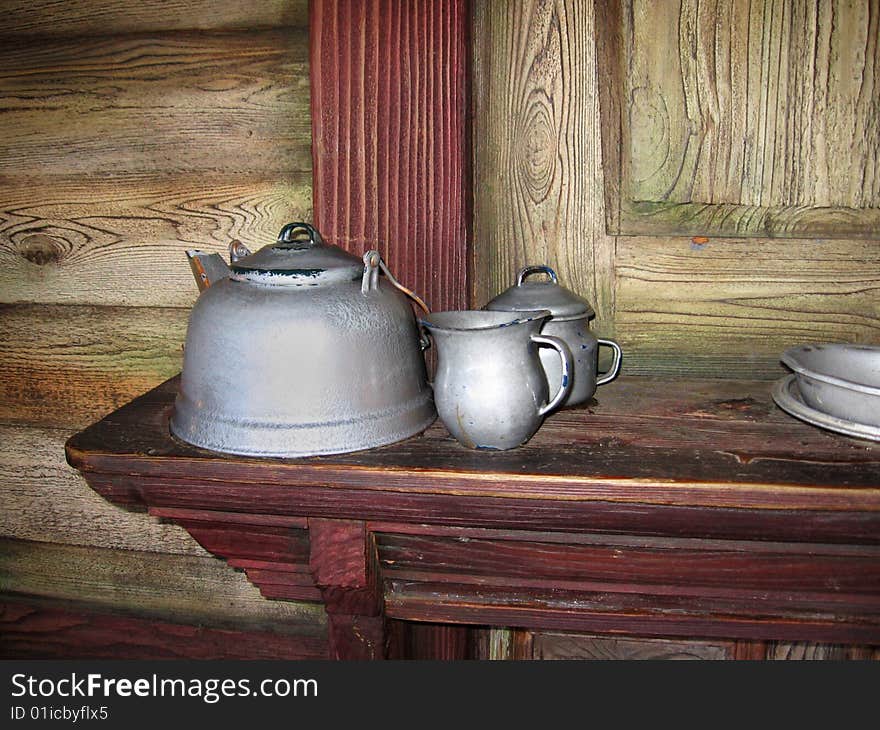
388	137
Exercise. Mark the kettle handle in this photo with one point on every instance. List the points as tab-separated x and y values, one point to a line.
529	270
567	366
370	281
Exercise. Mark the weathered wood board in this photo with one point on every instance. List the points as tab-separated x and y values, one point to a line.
132	132
215	104
180	588
728	308
577	647
700	304
789	650
744	118
46	500
103	17
33	629
66	366
537	161
122	242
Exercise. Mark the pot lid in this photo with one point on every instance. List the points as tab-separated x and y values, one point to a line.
299	254
542	294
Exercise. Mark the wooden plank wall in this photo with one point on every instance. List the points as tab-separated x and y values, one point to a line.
132	131
703	306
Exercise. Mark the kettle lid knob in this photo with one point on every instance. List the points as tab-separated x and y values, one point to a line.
290	238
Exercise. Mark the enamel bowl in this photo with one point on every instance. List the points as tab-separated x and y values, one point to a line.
839	379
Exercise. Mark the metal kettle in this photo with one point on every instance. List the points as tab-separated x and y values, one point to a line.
299	349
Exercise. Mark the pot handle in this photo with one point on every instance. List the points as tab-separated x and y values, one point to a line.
529	270
615	364
567	367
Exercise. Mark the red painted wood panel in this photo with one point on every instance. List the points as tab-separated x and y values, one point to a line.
389	145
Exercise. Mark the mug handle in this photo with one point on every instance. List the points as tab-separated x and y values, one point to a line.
615	364
567	367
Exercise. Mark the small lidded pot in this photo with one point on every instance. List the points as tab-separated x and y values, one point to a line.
570	322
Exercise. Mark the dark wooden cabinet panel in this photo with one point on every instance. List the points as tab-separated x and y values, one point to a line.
646	535
572	646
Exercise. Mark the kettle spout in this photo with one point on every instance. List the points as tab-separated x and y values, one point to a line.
207	268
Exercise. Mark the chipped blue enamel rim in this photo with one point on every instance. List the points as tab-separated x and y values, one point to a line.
295	277
293	260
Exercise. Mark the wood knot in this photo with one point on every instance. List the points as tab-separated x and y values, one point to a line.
538	150
40	249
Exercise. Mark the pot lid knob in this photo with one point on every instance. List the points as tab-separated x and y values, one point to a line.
541	269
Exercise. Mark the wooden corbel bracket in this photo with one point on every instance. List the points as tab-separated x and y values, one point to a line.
312	559
345	565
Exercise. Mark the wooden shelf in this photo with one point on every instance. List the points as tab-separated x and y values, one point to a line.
664	508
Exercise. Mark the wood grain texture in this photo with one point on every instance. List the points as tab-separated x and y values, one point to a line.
344	562
390	161
272	551
213	104
788	650
443	642
103	17
730	308
188	589
132	132
51	630
45	500
577	647
745	650
774	570
798	651
66	366
640	613
121	241
737	117
537	160
718	444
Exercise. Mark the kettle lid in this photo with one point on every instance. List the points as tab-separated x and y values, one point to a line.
544	294
299	254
